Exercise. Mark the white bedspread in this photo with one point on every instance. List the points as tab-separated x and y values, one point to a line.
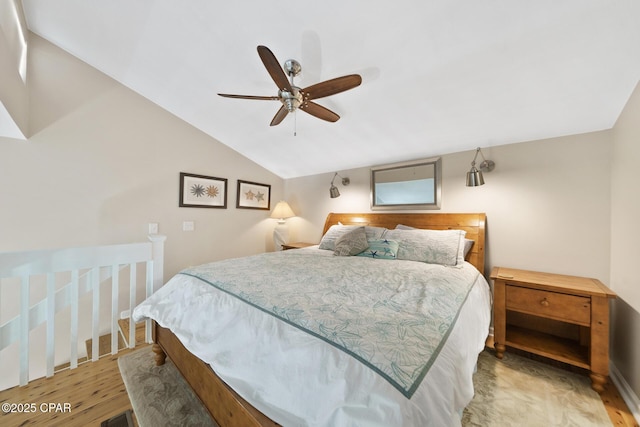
297	379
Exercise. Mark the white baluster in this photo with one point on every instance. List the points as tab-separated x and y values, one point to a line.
132	304
51	315
115	289
95	330
75	279
24	330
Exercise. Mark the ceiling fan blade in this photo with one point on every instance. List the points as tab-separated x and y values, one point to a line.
331	87
319	111
273	67
226	95
280	115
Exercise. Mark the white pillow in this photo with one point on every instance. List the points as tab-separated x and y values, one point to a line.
468	243
444	247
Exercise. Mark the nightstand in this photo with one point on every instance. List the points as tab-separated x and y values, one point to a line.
296	245
565	318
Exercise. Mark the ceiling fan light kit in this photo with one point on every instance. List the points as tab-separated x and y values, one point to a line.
292	97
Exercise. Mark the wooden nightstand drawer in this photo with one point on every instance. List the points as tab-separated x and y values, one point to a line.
552	305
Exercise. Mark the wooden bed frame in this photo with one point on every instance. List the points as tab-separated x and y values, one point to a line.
223	403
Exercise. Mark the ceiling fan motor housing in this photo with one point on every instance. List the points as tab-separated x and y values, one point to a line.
291	100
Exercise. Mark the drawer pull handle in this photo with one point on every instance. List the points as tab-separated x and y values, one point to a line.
544	303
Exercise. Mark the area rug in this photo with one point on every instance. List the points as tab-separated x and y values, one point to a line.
517	391
514	391
160	396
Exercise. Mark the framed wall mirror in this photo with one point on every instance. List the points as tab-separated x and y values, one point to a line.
408	185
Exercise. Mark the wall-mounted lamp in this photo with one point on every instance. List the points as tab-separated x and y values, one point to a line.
333	190
281	212
474	176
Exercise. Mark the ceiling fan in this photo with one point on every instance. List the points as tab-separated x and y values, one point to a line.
292	97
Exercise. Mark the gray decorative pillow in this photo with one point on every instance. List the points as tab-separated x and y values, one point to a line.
444	247
351	243
336	231
468	244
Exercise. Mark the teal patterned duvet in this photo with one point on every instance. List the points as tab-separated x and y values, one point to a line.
393	316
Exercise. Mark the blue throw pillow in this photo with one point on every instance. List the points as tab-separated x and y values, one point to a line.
381	249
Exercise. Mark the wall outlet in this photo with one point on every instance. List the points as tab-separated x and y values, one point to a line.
188	226
125	314
153	228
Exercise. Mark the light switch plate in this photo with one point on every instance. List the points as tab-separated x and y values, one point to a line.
188	226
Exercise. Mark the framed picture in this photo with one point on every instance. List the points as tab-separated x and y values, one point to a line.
252	195
199	191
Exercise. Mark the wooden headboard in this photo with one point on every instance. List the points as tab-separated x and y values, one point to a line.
472	223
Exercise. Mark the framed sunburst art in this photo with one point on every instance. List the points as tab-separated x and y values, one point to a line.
252	195
199	191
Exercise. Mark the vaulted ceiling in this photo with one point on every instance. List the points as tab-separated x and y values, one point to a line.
437	76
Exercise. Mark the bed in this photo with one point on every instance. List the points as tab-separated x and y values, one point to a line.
302	357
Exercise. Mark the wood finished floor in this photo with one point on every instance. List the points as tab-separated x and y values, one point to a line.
95	392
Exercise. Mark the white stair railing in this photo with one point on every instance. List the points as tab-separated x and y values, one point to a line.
89	269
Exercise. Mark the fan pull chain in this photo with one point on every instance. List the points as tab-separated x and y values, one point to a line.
295	122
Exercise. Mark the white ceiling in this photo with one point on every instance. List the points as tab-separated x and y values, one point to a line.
438	76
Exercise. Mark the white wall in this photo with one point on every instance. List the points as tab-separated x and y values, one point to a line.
547	203
103	162
625	251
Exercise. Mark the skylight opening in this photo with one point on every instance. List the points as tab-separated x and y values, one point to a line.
12	27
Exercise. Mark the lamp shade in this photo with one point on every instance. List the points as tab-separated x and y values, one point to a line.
282	211
474	178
